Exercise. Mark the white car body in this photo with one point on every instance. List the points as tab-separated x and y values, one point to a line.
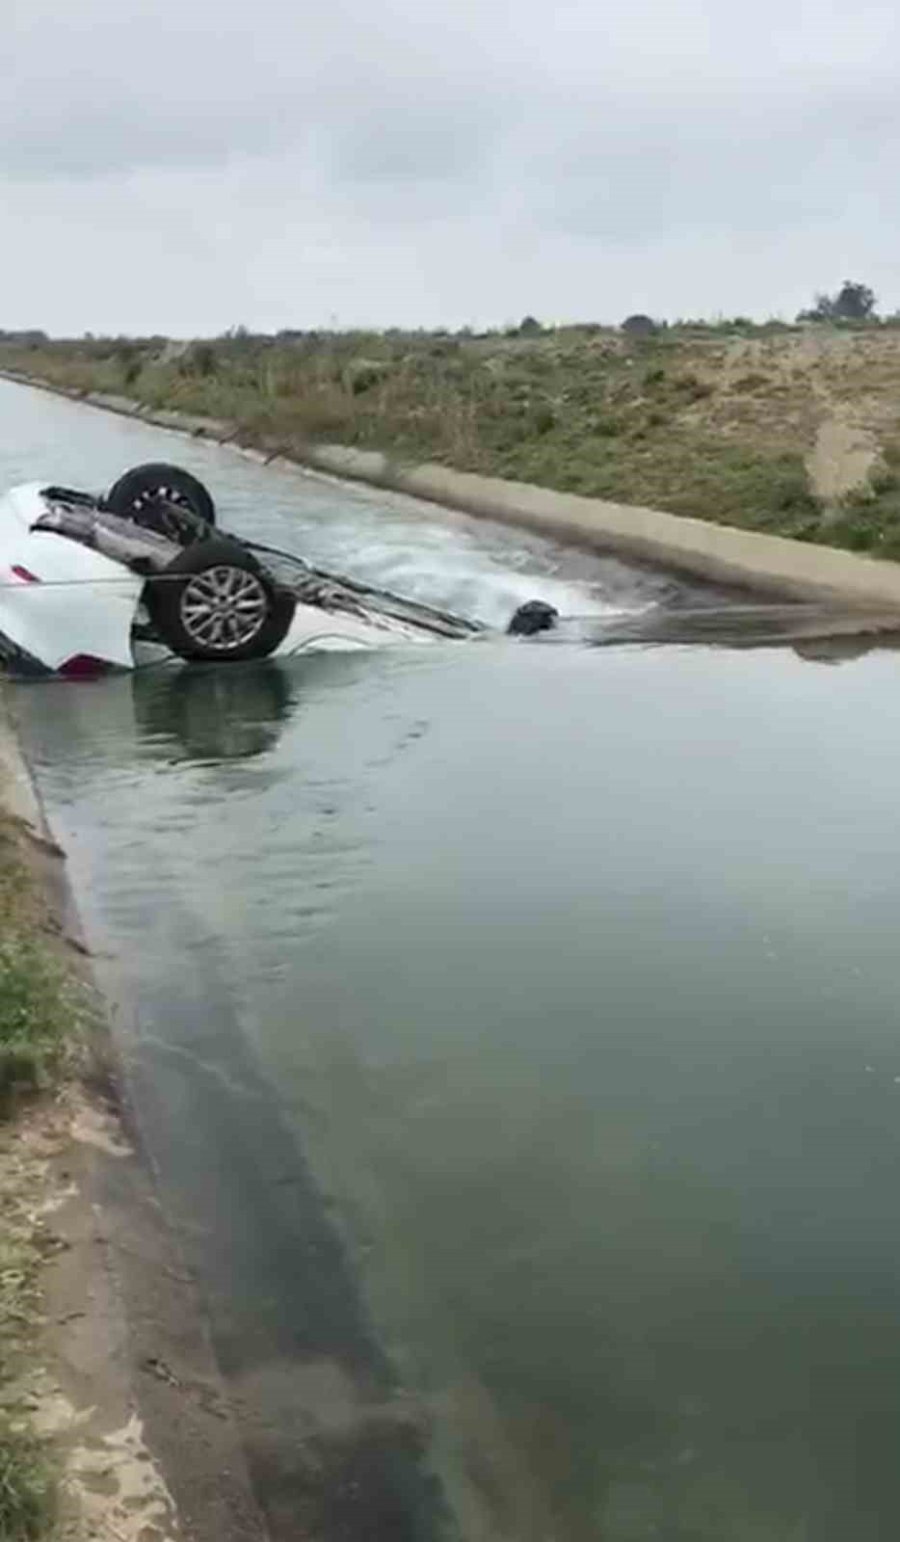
65	606
59	601
315	629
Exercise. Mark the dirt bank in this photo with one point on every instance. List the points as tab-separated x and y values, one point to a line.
113	1423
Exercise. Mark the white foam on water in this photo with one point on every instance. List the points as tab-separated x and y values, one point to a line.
474	567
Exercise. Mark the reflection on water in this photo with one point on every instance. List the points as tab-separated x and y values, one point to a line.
573	974
213	713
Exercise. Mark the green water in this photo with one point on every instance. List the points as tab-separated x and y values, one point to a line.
576	973
573	976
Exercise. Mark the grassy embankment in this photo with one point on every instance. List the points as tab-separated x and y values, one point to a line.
38	1014
720	422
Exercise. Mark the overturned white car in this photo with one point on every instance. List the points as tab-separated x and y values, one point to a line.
89	583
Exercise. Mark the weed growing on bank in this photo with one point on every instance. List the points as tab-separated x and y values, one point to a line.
40	1019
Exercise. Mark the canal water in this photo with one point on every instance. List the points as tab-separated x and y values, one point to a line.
514	1032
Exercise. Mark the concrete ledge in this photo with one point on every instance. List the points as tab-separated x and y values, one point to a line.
721	553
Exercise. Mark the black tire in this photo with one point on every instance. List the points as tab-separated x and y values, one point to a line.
215	603
163	498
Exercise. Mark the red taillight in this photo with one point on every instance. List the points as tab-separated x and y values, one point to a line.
83	666
25	574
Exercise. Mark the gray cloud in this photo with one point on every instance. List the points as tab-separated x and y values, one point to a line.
740	170
381	161
413	146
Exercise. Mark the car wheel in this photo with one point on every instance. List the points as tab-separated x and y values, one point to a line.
163	498
214	602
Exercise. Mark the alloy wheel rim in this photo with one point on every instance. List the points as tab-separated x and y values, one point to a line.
223	608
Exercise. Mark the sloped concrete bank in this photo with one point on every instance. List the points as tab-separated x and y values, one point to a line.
762	563
123	1381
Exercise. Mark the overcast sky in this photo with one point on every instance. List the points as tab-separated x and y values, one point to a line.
182	167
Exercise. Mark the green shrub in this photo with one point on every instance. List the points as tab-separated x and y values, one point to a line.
34	1014
27	1500
691	387
753	381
